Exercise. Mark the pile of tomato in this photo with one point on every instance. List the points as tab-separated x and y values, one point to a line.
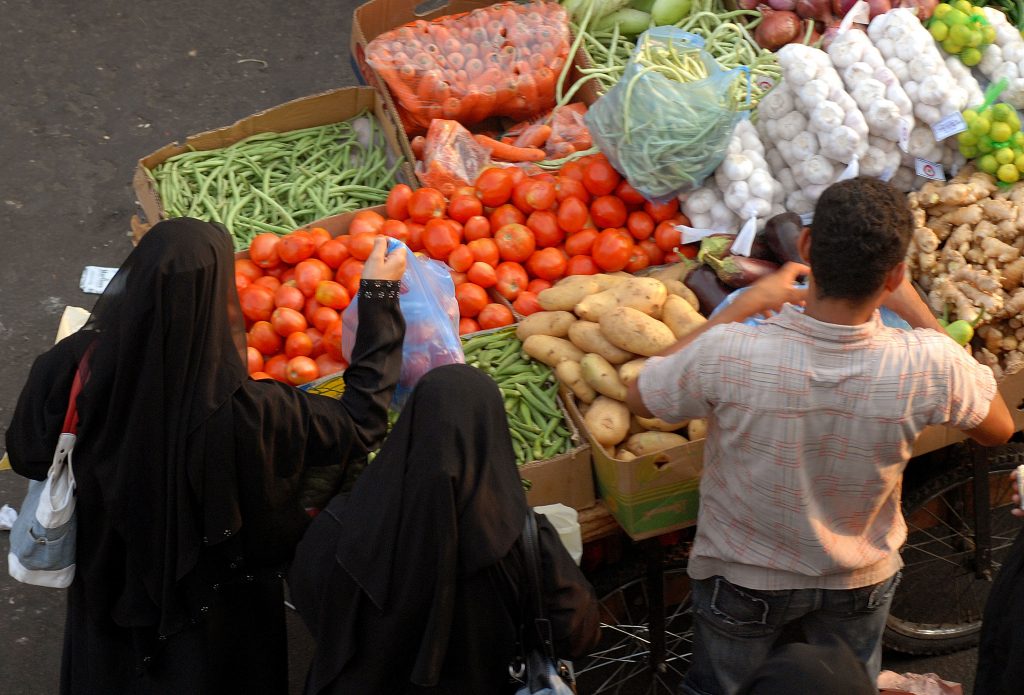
519	233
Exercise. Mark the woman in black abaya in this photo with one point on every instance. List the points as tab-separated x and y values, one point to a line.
415	582
188	471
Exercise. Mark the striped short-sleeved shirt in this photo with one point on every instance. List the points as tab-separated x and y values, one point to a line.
810	426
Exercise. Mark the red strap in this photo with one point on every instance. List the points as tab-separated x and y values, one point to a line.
71	418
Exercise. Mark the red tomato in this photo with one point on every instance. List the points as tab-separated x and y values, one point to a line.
248	269
517	174
426	204
476	227
482	274
471	298
548	264
512	279
538	285
667	237
462	207
581	243
277	368
662	211
415	240
506	214
515	242
287	321
600	178
484	250
332	340
534	194
468	326
360	244
396	229
688	250
349	274
257	302
332	295
264	338
241	282
309	273
526	303
333	252
301	370
608	211
397	205
628	194
612	250
439	239
263	250
495	316
654	254
457	277
544	225
366	221
572	214
640	225
289	296
317	337
254	360
566	187
277	271
320	236
581	265
311	308
638	260
329	365
296	247
269	282
461	259
572	170
323	317
493	187
298	343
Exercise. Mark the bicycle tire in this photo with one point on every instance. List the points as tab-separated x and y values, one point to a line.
938	607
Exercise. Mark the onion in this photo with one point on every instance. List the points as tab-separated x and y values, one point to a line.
777	29
841	7
925	8
878	7
820	10
830	33
785	5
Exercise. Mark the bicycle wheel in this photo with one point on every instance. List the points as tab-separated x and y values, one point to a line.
621	663
939	604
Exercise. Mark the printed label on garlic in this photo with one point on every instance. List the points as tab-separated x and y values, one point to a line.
929	170
949	125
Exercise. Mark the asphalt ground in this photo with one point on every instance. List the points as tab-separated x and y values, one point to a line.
86	88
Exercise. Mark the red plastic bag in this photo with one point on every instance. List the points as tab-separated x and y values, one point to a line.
451	157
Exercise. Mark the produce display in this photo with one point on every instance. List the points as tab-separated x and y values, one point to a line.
1004	59
536	420
962	30
277	182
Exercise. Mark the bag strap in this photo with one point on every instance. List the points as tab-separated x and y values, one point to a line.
71	417
535	594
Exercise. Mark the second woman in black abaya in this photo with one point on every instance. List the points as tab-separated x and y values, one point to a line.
414	583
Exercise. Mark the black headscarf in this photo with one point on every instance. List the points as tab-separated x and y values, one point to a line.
798	667
170	340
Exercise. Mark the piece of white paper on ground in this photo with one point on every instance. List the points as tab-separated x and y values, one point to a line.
95	279
7	517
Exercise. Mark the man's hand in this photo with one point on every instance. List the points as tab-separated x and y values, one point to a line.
770	293
382	265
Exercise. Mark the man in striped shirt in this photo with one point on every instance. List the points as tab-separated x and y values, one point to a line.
812	415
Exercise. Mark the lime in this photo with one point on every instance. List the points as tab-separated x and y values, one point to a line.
970	115
941	11
1004	155
969	151
1000	112
973	40
988	164
967	138
952	47
1008	173
963	6
970	57
1000	132
1014	121
980	126
960	33
1018	140
1018	162
988	35
939	31
985	144
954	18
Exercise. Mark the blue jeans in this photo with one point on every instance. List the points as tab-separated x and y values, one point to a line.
735	628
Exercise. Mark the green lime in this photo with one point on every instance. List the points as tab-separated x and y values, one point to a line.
973	40
1018	140
970	115
988	164
968	151
941	11
1014	121
954	18
939	31
960	33
967	138
980	126
1000	132
1018	162
1004	155
988	35
952	47
1008	173
970	57
964	6
1000	112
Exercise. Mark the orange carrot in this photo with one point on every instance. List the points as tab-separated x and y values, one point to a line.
534	136
511	153
419	144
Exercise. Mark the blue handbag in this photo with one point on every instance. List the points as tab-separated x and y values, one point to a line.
43	536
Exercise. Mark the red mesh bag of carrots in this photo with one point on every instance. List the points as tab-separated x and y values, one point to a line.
501	60
451	157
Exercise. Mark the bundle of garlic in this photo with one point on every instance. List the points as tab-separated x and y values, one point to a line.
747	185
1005	58
706	208
966	253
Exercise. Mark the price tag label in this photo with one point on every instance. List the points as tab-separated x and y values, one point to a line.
851	171
691	235
95	279
903	135
764	82
949	125
806	218
745	239
929	170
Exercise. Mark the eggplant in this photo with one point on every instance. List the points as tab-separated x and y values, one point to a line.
740	271
781	234
715	246
710	291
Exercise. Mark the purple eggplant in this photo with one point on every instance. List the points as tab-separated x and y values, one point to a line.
740	271
710	291
781	234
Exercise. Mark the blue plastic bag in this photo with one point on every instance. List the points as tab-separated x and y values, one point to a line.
427	299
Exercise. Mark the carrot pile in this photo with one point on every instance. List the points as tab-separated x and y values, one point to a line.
501	60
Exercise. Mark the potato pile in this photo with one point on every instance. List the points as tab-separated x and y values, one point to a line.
596	331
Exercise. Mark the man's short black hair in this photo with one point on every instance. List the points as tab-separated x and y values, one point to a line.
861	230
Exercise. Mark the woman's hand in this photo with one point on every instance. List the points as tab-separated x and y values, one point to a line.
1017	511
382	265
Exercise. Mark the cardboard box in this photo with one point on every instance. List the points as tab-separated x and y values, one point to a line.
319	109
373	18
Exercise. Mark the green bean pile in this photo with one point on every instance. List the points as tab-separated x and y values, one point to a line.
277	182
530	392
